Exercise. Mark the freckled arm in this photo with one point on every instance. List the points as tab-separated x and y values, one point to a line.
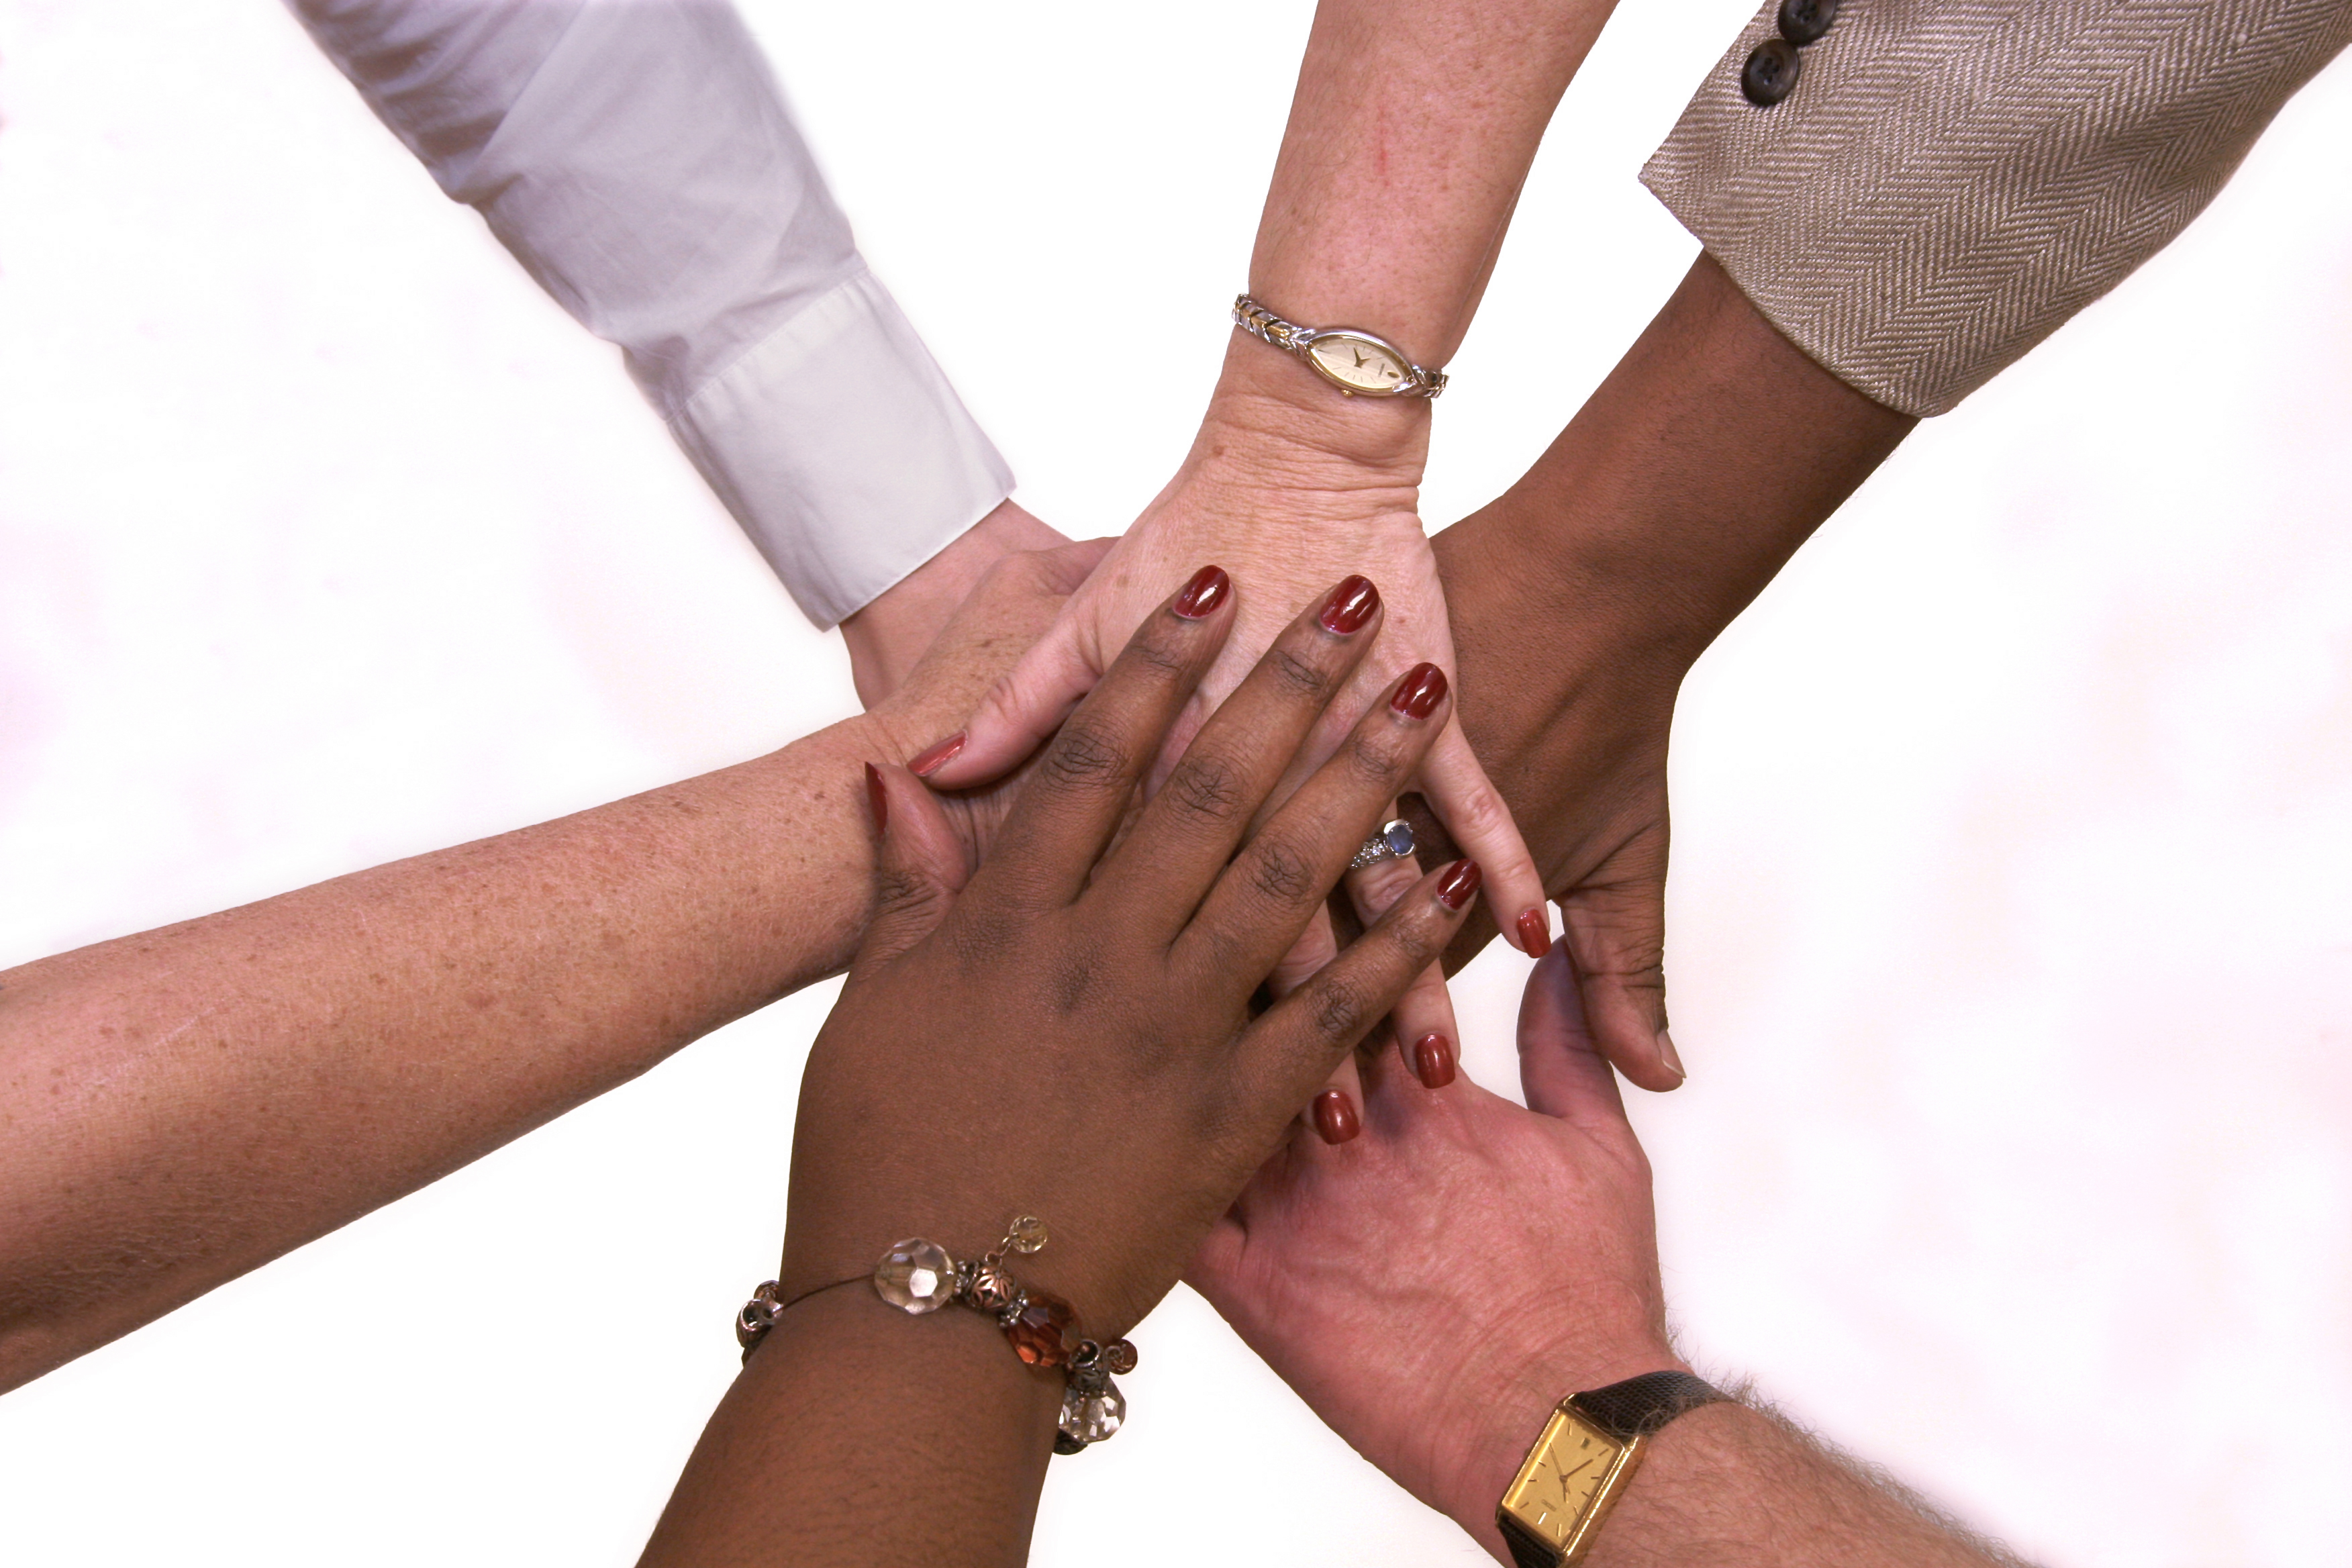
180	1106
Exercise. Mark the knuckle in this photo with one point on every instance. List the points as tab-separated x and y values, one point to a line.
984	935
1075	983
1419	940
1160	655
1376	759
1281	873
900	891
1475	814
1084	756
1297	677
1205	787
1343	1009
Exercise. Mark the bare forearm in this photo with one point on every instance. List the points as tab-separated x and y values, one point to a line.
859	1435
1411	132
180	1106
1584	594
1711	452
1731	1487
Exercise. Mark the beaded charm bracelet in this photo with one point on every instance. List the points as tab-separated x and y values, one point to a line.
918	1275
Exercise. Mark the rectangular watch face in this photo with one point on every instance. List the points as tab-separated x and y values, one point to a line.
1566	1470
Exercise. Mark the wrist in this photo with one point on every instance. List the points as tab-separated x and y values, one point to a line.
888	637
1509	1415
1270	408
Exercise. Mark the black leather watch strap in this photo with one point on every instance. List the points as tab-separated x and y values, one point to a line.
1640	1406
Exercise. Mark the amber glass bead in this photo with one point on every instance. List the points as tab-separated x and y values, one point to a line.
1045	1333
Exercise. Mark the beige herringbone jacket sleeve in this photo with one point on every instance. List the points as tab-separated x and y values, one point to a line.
1949	180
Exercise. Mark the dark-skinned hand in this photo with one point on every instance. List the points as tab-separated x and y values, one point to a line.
1067	1032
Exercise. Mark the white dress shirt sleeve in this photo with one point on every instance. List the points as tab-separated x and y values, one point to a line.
638	160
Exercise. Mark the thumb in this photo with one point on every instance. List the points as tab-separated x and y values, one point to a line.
918	866
1025	705
1560	1072
1616	931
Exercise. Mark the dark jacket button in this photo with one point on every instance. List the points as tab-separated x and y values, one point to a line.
1769	72
1802	21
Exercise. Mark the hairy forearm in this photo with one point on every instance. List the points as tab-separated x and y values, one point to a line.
1730	1486
180	1106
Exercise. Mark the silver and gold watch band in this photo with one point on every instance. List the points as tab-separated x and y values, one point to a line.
1360	363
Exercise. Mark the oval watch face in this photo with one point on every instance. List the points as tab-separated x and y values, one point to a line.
1358	363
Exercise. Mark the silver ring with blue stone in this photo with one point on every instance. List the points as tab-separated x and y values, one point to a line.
1392	842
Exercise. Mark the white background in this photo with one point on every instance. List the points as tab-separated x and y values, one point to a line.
2011	946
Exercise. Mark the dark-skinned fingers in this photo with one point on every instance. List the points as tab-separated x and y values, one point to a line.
918	866
1295	1046
1204	810
1616	931
1088	773
1278	881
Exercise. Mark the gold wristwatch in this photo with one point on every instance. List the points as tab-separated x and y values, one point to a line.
1581	1463
1359	363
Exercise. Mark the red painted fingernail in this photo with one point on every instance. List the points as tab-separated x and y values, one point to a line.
1460	880
1335	1117
1432	1060
1203	593
1352	604
1423	689
879	800
925	764
1535	932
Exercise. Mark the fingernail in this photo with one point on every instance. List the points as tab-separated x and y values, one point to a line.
1423	689
1460	880
1203	593
874	795
1335	1117
1352	604
1432	1060
1535	932
1667	1054
928	762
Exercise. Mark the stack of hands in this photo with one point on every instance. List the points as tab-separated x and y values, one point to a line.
1067	1030
1086	858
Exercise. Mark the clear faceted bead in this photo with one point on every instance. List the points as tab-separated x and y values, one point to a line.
1025	1234
1091	1417
916	1275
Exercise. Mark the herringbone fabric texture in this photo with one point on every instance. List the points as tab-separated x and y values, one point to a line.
1951	180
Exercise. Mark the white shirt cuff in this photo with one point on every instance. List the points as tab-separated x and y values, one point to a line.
839	446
